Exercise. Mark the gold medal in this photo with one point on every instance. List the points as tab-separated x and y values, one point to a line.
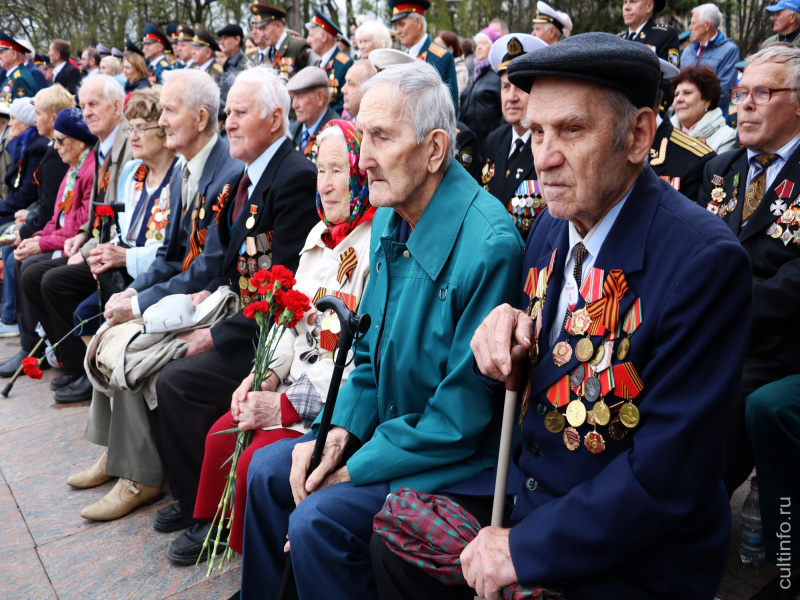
251	288
581	321
576	413
202	212
601	412
584	349
250	222
777	232
153	210
562	353
594	442
243	283
148	234
554	421
629	415
599	355
95	232
572	439
623	348
246	299
194	215
159	236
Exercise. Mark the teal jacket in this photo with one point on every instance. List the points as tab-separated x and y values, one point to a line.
424	418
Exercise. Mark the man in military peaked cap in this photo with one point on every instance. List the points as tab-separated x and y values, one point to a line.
408	17
275	45
322	34
549	24
18	80
204	49
634	317
154	44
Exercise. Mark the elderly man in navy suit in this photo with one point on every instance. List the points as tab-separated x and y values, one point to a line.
634	315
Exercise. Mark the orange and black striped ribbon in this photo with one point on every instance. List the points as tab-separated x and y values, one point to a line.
349	261
350	301
606	309
628	382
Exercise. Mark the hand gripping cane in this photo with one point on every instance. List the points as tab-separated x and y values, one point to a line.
351	324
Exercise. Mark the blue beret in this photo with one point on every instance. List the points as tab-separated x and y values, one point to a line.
600	58
69	121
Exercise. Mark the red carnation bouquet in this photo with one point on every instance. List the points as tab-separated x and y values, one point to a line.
283	307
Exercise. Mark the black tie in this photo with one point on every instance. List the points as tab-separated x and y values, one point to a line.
631	35
271	54
578	253
518	145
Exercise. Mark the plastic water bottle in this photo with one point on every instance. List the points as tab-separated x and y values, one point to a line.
751	541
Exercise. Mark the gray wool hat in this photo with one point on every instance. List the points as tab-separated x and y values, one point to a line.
308	79
600	58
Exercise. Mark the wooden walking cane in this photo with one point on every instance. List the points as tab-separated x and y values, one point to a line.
351	324
518	354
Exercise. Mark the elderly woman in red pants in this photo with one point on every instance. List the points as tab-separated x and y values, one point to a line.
334	260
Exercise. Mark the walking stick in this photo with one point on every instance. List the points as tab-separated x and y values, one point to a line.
506	433
351	324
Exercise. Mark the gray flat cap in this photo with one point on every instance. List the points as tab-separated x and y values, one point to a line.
308	79
600	58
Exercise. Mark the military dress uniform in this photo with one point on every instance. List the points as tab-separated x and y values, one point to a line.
153	34
203	37
679	159
663	40
292	54
467	150
18	83
337	64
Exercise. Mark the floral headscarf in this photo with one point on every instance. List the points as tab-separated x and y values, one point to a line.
360	209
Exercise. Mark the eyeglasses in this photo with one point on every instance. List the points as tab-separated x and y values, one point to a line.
58	141
761	94
136	130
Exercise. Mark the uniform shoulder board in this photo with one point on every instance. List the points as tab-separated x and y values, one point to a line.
16	74
342	58
163	63
659	27
687	142
437	50
217	67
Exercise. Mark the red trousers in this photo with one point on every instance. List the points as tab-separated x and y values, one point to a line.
212	478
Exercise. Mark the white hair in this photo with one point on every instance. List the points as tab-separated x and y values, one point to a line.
199	91
271	93
112	62
426	100
112	90
419	17
375	31
709	13
332	133
782	55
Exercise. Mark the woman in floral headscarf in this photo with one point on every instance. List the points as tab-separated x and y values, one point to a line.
334	260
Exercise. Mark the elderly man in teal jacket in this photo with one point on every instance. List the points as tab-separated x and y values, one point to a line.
412	412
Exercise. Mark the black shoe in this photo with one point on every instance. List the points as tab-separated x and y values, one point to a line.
170	518
62	381
188	546
9	366
79	390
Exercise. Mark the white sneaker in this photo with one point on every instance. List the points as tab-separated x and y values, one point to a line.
7	331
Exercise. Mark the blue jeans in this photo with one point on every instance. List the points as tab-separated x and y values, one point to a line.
330	532
9	314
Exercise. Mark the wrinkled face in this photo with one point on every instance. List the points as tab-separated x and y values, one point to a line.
183	50
15	127
333	175
201	54
636	12
366	44
351	90
699	29
271	32
409	30
546	32
229	44
308	105
8	58
152	50
784	21
182	125
767	127
482	46
389	151
319	40
43	121
689	104
101	116
514	101
249	134
571	138
147	138
69	149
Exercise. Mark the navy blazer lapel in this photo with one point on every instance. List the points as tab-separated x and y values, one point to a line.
622	249
218	152
500	166
738	167
524	162
763	214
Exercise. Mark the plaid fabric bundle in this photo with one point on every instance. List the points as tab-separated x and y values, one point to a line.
431	531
